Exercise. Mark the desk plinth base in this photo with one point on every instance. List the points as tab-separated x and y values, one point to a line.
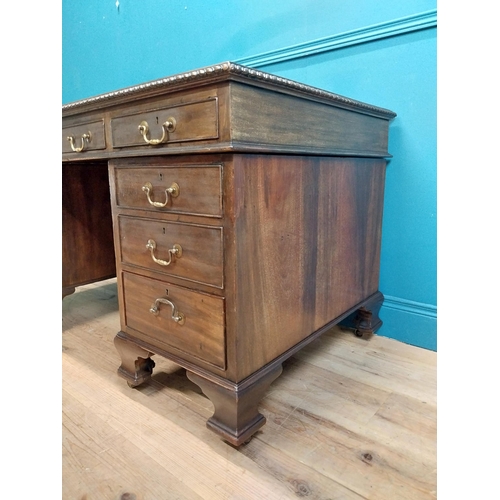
236	417
137	365
365	321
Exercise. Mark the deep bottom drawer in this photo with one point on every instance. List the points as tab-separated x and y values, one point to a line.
176	319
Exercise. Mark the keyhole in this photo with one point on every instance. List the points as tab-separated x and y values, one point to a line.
160	176
163	229
166	292
156	120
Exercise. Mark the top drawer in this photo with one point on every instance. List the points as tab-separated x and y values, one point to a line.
192	121
83	137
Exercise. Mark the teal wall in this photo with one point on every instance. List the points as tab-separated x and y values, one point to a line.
383	53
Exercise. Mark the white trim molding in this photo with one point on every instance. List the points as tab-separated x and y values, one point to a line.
415	22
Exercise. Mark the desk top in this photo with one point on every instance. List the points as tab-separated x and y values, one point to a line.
226	71
222	108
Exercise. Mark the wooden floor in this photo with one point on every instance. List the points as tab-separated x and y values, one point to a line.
347	419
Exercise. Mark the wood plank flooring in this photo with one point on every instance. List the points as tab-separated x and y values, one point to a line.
348	419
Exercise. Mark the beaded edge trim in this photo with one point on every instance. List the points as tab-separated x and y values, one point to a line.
231	69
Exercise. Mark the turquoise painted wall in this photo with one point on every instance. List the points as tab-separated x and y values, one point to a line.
383	53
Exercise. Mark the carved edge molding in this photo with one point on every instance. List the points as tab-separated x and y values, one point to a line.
228	69
400	26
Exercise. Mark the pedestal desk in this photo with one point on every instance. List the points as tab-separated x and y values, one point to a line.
241	213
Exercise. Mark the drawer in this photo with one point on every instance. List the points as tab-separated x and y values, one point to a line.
189	251
193	121
178	189
87	136
200	332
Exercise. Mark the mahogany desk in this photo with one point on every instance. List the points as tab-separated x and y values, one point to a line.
241	213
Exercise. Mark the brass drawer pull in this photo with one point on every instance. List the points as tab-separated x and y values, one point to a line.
177	316
176	251
86	138
168	126
172	191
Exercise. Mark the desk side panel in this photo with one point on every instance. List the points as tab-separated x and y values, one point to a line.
307	248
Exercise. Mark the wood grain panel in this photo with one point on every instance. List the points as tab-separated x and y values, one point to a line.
264	117
307	234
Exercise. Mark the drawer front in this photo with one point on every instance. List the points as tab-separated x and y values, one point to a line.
188	251
194	121
83	137
200	333
187	189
